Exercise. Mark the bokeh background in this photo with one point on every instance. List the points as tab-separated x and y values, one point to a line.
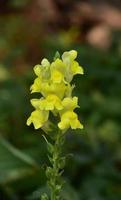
29	31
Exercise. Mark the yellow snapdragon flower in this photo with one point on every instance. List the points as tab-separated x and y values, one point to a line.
68	67
43	69
69	119
53	82
68	116
70	103
72	67
51	102
58	65
50	87
38	118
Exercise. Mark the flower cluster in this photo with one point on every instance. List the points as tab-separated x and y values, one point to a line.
54	83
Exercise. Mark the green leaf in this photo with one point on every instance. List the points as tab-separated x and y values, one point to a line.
50	147
14	164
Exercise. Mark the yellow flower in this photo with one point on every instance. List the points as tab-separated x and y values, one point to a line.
51	102
59	65
36	86
69	119
53	82
46	88
43	70
70	103
54	88
72	67
76	68
69	54
38	70
38	118
45	62
68	116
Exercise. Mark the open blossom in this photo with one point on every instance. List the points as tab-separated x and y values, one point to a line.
38	118
69	119
54	83
51	102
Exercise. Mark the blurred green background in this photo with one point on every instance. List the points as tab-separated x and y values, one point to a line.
29	31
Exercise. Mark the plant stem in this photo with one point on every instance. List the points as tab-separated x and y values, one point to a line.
55	171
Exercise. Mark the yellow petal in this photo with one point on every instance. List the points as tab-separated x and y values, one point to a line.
54	102
57	89
64	124
58	105
37	70
69	55
49	106
36	87
73	54
51	102
76	69
69	119
38	118
70	103
45	62
29	121
76	124
56	76
42	104
35	103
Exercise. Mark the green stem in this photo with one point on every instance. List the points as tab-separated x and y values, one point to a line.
55	171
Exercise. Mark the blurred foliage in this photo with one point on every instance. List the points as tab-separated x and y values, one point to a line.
93	169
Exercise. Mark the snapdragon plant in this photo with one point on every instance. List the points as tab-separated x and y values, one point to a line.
54	83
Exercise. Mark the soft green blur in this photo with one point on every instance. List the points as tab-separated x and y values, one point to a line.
93	168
